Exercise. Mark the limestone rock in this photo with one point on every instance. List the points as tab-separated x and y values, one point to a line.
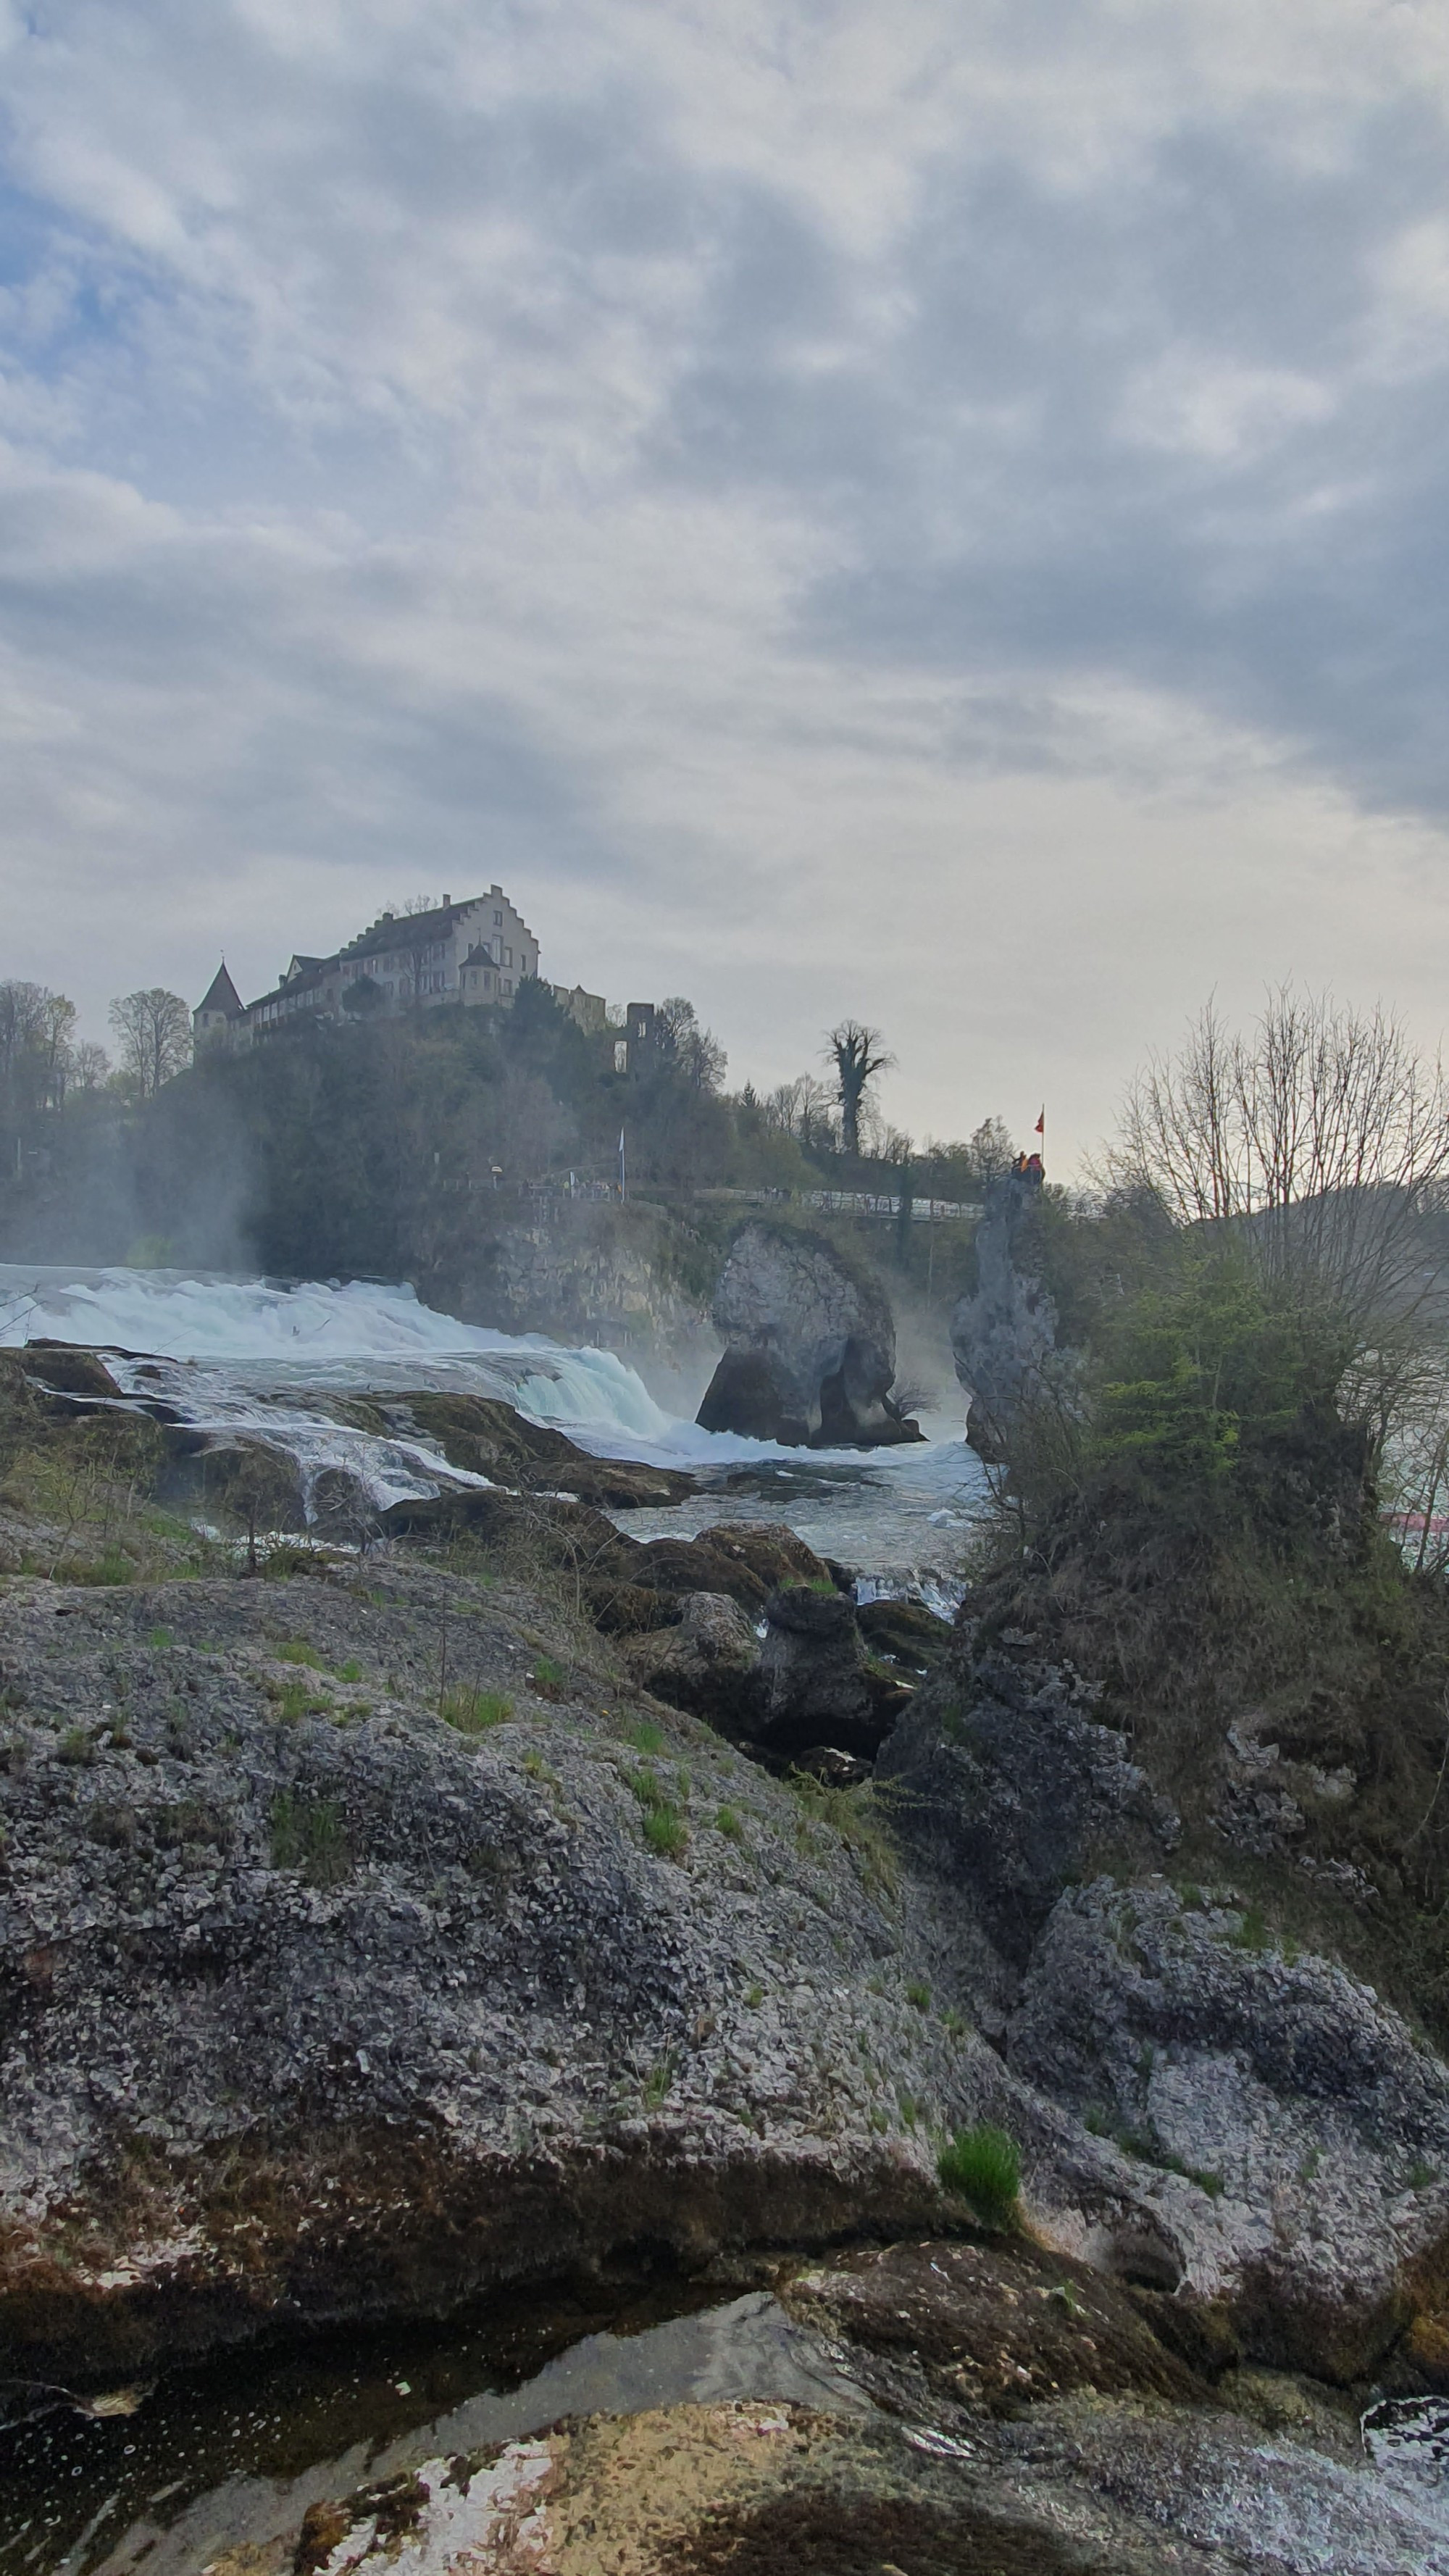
816	1684
1317	2122
1006	1782
316	2005
709	1663
1004	1334
810	1347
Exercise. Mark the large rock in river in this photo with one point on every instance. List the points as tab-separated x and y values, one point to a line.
811	1347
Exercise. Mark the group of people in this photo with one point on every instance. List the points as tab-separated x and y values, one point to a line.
1028	1167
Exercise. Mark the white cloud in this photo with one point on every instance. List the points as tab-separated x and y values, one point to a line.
910	510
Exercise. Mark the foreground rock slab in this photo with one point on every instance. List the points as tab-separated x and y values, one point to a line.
1087	2488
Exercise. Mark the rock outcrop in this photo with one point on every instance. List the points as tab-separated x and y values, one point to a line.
1314	2118
353	1961
1007	1785
810	1347
1004	1333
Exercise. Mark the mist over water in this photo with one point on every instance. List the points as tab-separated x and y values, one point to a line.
233	1356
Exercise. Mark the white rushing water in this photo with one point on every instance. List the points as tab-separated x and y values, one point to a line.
231	1355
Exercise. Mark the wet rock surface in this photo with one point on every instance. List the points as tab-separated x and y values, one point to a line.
810	1346
991	2326
1099	2486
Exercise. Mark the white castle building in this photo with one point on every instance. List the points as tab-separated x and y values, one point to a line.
477	952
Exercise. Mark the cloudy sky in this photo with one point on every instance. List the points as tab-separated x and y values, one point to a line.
937	511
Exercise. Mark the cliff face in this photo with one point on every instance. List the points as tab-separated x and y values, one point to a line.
583	1271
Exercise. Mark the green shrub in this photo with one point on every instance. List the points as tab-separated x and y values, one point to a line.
919	1994
159	1639
982	2167
549	1679
473	1712
351	1671
76	1746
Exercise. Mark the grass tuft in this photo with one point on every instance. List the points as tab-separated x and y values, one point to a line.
858	1817
297	1651
665	1830
473	1712
308	1835
983	2167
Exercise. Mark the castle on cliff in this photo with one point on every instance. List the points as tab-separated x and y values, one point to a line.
476	952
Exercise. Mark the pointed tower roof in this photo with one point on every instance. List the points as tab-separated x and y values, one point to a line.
223	995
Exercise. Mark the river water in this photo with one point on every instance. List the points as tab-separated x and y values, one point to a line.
281	1359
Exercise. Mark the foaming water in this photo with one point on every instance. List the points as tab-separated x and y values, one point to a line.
273	1358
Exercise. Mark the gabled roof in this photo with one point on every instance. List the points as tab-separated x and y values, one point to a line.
223	996
408	929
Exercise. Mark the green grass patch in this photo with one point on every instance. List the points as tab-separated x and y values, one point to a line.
1252	1932
983	2167
112	1566
295	1650
657	2082
548	1678
665	1830
308	1836
351	1671
474	1712
645	1736
158	1639
293	1700
730	1823
858	1817
919	1994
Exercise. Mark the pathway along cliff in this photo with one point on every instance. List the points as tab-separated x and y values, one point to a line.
420	1900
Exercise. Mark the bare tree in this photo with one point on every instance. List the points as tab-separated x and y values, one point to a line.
1321	1137
153	1032
90	1066
682	1039
858	1054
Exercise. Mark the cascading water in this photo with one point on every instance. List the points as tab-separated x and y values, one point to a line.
277	1361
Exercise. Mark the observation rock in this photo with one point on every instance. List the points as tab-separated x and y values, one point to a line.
810	1347
1003	1335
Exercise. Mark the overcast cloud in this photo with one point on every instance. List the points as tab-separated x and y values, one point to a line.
939	512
